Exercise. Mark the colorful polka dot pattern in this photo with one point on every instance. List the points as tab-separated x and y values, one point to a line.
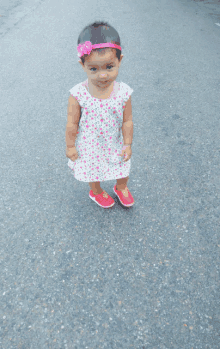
99	139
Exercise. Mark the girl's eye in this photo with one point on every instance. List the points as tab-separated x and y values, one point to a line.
109	66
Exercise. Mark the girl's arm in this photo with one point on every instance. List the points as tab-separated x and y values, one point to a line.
127	127
73	116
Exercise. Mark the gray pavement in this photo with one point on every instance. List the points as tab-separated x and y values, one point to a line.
74	275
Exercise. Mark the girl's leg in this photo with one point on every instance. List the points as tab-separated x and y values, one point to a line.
122	183
95	186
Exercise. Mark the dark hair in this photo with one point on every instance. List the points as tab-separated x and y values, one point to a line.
100	32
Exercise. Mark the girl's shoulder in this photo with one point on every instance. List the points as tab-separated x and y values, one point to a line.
125	88
79	93
125	92
77	89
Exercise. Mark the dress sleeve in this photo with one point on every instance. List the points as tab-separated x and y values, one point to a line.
126	92
80	94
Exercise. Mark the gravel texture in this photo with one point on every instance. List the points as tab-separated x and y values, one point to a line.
74	275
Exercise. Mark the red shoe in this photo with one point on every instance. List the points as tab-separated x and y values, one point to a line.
125	200
104	200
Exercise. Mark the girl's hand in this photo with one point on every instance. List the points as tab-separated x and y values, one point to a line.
71	153
126	152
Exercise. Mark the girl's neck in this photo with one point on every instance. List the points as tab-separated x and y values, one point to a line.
100	93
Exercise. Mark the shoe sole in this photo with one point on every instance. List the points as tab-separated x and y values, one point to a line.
99	204
129	205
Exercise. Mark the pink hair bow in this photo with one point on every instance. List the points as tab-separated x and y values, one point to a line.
84	49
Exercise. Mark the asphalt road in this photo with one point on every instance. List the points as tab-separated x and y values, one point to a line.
74	275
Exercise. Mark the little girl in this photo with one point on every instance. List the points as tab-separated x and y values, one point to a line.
100	113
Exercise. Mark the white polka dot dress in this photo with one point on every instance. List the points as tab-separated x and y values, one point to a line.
99	139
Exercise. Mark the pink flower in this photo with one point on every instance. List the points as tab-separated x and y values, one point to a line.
84	49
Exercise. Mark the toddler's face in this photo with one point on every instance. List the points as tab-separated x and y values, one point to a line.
102	68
